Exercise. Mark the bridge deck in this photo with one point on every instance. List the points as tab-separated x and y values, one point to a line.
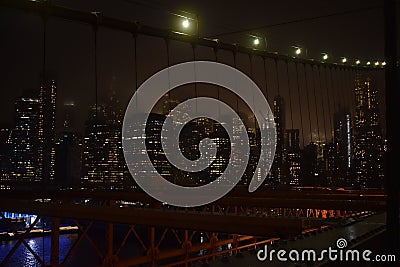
354	233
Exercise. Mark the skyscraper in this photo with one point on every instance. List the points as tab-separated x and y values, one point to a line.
279	116
343	145
5	152
368	141
293	162
46	131
103	160
24	140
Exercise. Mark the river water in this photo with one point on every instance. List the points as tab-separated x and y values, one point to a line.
84	255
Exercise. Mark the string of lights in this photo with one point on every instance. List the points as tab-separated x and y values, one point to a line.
186	30
261	42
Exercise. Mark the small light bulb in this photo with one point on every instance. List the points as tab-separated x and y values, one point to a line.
185	23
256	41
358	62
344	60
298	51
325	57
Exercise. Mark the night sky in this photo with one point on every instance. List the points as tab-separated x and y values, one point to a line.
70	46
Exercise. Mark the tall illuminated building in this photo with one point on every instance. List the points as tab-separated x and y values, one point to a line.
368	141
277	171
103	161
46	131
343	147
329	164
5	152
189	140
23	140
292	160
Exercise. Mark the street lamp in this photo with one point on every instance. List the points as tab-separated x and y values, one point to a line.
185	23
368	63
256	41
358	62
324	56
344	60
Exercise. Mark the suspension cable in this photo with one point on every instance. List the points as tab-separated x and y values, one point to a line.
265	77
342	85
290	95
322	100
95	28
169	79
315	100
277	76
300	104
350	91
332	87
308	102
195	75
328	97
235	64
136	67
218	89
251	76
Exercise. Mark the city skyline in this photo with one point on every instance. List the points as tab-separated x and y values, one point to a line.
97	152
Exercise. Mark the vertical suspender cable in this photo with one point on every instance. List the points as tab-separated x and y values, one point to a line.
290	95
135	66
331	85
135	63
308	102
218	90
300	104
328	97
95	73
169	82
237	97
195	75
351	99
251	76
322	99
315	100
277	76
265	77
342	89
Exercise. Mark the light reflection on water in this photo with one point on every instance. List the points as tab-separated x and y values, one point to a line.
84	255
23	257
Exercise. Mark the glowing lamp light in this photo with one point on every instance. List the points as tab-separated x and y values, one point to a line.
344	60
256	41
358	62
298	51
325	56
368	63
185	23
